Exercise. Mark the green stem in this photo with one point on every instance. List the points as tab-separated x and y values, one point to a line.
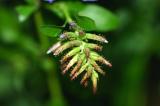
67	15
53	81
65	11
57	98
68	19
39	23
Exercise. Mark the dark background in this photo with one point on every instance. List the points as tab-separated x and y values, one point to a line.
29	77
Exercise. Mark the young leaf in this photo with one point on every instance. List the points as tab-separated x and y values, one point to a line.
24	12
72	7
104	19
86	23
51	31
56	9
75	7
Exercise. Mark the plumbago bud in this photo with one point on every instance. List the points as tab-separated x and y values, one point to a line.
81	56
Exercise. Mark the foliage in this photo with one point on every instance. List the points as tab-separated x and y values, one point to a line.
82	55
29	77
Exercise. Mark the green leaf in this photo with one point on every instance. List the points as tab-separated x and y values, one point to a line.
51	31
56	9
24	12
86	23
104	19
75	7
72	7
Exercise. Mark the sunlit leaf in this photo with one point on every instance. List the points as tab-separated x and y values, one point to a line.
86	23
103	18
51	31
24	12
72	7
56	9
75	7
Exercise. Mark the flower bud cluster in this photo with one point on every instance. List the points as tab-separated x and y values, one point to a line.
81	57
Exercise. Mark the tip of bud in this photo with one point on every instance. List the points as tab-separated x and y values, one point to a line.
54	47
94	90
48	52
105	41
99	48
54	54
85	84
63	72
74	76
110	65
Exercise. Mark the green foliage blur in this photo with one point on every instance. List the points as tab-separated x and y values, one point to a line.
30	77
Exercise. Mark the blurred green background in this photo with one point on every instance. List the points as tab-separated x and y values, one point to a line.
29	77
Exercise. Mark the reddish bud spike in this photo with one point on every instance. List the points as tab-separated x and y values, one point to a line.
63	66
82	69
97	68
104	61
87	75
70	54
84	78
99	58
95	87
74	76
85	84
87	52
66	46
76	68
96	37
64	59
71	63
94	81
94	46
54	47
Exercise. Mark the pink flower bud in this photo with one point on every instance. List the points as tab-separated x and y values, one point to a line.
66	46
96	37
81	70
97	67
54	47
71	63
94	81
94	46
99	58
70	54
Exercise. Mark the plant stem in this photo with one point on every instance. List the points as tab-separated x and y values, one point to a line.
53	82
57	98
65	11
67	15
42	38
68	19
